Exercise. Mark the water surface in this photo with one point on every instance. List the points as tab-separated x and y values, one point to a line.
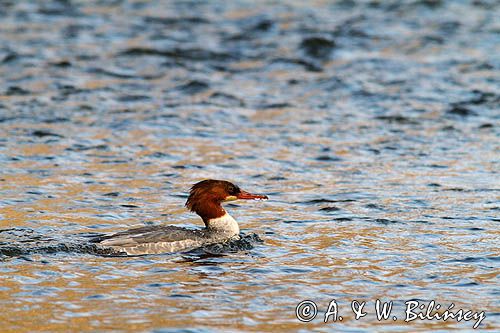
372	126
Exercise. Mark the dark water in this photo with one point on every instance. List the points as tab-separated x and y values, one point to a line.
373	126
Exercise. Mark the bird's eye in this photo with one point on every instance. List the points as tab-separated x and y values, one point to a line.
233	190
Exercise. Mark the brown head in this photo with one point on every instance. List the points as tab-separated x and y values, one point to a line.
206	197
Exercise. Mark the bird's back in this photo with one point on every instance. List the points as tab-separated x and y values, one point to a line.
159	239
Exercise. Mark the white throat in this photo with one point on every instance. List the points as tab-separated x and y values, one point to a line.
225	224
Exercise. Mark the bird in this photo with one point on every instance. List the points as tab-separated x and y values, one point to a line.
205	199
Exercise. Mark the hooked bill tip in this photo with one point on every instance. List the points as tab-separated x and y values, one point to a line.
249	196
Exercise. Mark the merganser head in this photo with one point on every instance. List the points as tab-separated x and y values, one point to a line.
206	197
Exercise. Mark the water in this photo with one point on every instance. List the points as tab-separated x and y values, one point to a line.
372	126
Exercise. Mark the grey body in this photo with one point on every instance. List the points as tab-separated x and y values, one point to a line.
168	239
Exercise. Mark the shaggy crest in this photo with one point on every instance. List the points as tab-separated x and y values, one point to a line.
206	196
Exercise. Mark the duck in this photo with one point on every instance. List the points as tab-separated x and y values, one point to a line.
205	199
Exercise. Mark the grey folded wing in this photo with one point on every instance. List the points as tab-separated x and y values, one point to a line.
154	239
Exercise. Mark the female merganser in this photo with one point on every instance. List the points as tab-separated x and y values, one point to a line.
204	199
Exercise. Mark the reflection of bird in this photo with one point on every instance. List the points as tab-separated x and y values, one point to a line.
205	200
